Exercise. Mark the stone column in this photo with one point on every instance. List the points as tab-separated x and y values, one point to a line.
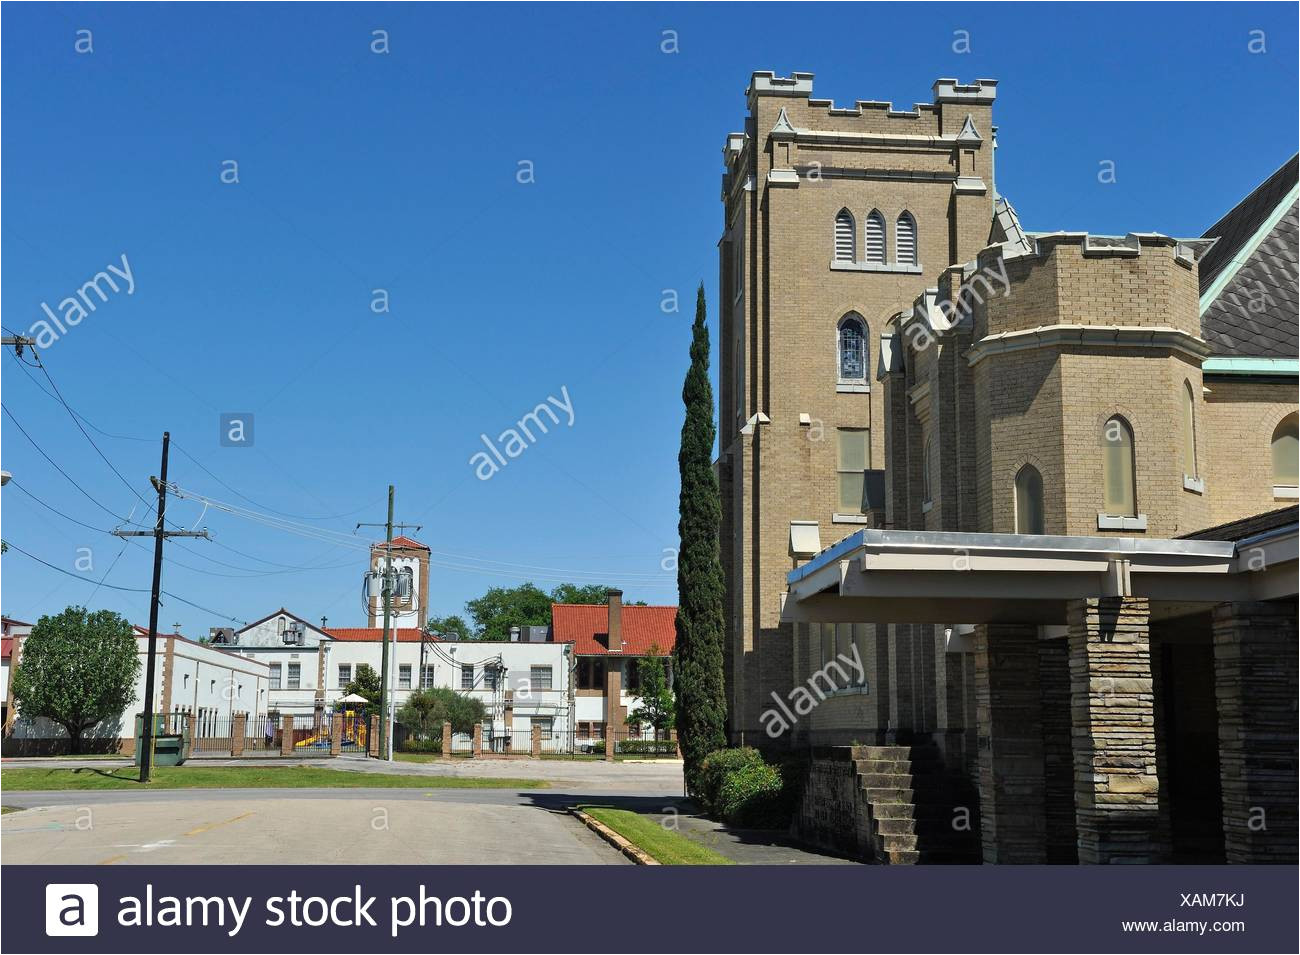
446	740
286	735
238	733
478	740
1058	755
535	748
1013	825
1113	730
336	734
1255	688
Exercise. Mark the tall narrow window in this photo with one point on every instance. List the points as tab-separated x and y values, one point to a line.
875	237
853	458
1029	501
1284	453
853	349
927	471
1117	468
905	239
1189	430
846	239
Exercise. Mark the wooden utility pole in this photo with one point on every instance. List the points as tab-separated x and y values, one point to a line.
159	534
387	594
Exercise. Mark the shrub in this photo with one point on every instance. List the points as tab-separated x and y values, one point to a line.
739	787
412	745
646	747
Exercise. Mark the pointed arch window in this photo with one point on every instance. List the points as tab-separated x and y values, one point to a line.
905	239
1029	501
852	349
1117	468
1189	430
1286	473
875	237
846	237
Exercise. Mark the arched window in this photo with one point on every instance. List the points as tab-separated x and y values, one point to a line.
1029	501
1189	430
905	239
1284	453
846	237
853	349
280	625
1117	476
875	237
927	471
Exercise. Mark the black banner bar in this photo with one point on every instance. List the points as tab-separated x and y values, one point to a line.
575	909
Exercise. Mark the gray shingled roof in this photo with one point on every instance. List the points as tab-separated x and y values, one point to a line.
1254	314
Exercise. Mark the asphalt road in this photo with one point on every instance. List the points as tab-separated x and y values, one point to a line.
331	826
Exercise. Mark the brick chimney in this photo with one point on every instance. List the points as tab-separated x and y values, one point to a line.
615	625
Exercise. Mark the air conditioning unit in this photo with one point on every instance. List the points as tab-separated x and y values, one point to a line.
295	632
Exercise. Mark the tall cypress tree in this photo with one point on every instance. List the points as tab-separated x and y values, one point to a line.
701	699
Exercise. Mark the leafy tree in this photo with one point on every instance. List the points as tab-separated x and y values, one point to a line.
452	626
504	607
701	697
580	594
425	711
657	707
76	669
366	683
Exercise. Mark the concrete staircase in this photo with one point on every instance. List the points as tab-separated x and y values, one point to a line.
911	804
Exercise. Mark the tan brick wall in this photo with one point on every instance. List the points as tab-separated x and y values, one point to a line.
1240	416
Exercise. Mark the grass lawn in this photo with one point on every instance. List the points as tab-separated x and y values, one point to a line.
5	810
243	777
426	757
665	845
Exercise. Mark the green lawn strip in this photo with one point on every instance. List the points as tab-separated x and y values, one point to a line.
243	777
665	845
5	810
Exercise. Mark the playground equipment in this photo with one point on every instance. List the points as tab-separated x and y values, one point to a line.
354	733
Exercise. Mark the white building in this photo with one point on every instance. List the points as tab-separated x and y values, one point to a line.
203	680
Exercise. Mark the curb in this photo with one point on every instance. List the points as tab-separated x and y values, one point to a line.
636	854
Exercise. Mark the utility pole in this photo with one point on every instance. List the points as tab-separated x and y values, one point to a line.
159	534
386	693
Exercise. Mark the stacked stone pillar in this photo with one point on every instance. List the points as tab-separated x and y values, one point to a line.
238	733
336	734
1113	730
446	740
1255	690
286	735
478	741
1008	710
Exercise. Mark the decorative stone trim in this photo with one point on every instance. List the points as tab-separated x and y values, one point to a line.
850	519
1099	336
969	186
783	178
1118	522
1286	492
1194	484
856	388
893	268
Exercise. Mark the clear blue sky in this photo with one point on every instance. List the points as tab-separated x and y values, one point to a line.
360	171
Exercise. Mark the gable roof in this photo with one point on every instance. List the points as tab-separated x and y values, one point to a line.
1248	279
374	634
587	627
280	613
408	543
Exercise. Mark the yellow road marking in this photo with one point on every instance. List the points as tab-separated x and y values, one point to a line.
111	859
214	825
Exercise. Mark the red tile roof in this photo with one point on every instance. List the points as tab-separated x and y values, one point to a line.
404	542
363	634
587	626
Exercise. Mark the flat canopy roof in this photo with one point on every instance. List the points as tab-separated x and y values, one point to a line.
887	576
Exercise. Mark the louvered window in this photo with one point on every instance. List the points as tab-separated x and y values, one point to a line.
845	239
905	244
876	238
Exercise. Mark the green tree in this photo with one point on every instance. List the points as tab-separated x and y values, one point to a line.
701	697
452	626
657	708
77	669
580	594
425	711
366	683
504	607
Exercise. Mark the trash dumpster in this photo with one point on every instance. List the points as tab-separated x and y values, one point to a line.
171	741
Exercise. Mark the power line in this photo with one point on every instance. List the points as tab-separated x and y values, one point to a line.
132	590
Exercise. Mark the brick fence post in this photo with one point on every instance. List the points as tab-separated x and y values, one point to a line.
446	740
238	731
336	734
535	749
609	743
478	740
286	735
372	739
